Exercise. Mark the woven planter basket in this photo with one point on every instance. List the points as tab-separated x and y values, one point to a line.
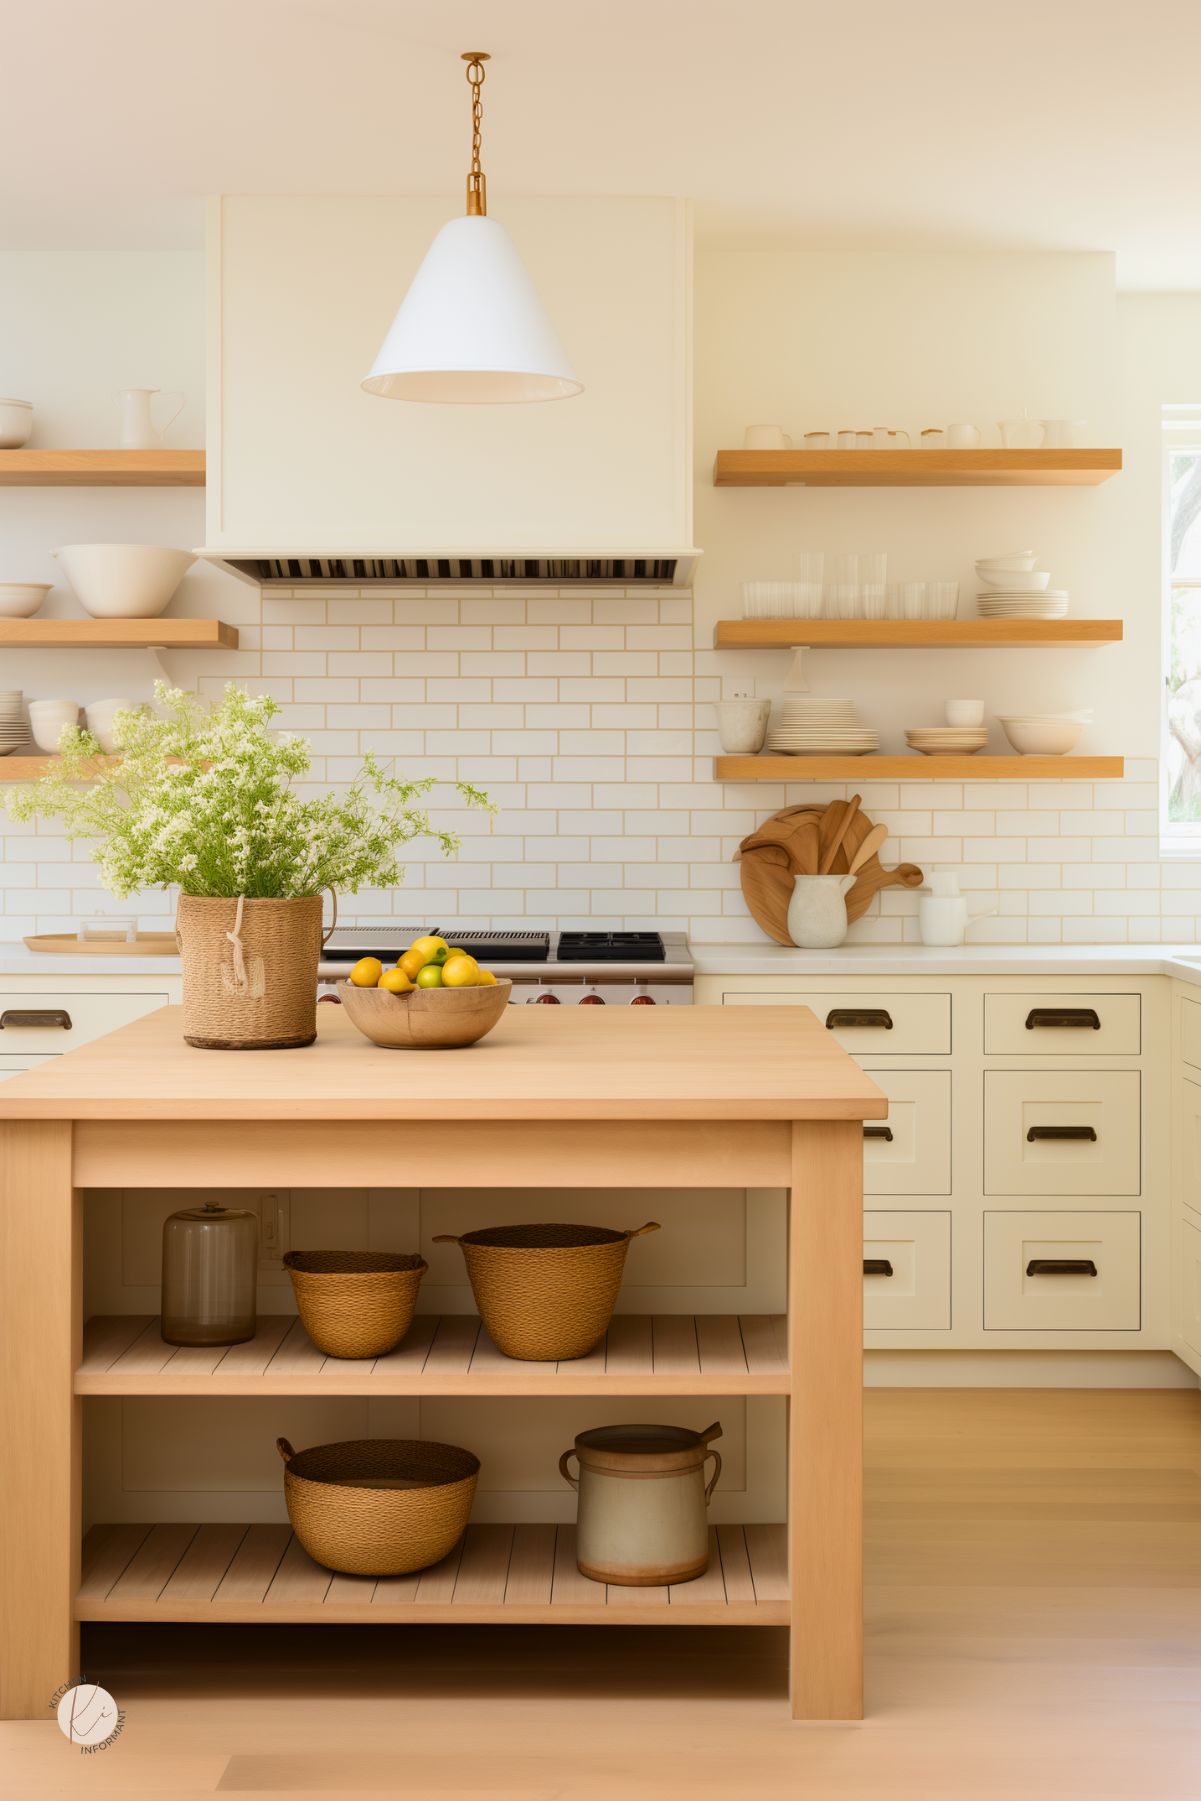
355	1303
545	1293
249	972
378	1506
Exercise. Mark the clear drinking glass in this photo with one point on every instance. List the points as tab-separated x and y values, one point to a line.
943	599
846	601
874	596
873	566
914	600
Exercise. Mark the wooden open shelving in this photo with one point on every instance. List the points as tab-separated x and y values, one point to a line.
914	468
102	468
28	769
499	1574
117	634
449	1354
915	634
978	768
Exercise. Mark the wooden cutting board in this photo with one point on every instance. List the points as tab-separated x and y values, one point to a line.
146	944
768	863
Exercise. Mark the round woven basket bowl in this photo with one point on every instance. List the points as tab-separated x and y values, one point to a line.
429	1019
546	1293
355	1303
378	1506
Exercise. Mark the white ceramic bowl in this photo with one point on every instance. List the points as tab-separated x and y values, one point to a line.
1013	560
1048	737
99	715
124	581
1015	581
47	719
20	600
16	423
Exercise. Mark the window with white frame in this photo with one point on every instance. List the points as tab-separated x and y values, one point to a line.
1181	777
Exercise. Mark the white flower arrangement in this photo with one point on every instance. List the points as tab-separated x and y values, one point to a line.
203	798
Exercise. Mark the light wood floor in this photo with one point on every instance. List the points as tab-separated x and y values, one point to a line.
1034	1630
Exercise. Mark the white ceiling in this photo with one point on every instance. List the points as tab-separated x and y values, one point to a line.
1028	123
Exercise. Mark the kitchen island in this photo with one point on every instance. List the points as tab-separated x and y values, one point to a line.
703	1097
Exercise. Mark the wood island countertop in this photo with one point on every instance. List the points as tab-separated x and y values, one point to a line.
669	1063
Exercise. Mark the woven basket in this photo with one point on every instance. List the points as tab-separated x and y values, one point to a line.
260	992
378	1506
355	1303
545	1293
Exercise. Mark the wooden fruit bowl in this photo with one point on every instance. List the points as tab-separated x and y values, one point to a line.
429	1019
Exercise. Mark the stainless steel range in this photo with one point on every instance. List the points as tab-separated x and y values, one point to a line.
589	968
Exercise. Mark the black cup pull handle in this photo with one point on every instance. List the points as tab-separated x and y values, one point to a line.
1061	1266
35	1016
884	1132
859	1016
877	1266
1088	1134
1081	1017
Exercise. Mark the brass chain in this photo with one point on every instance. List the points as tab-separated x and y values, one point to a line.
476	189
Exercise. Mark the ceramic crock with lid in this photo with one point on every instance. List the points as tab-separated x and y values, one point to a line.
642	1517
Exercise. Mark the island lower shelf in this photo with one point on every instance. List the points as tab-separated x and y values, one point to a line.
498	1574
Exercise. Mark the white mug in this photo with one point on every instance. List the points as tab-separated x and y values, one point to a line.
933	437
965	712
886	437
846	440
817	440
1021	434
963	437
766	437
863	440
1060	434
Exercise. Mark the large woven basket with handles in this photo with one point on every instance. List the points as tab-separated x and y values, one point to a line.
546	1293
355	1303
249	971
378	1506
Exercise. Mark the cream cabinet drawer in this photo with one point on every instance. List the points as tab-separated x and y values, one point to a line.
1187	1148
1190	1032
1069	1025
892	1024
910	1152
1053	1131
907	1272
1188	1275
1062	1272
32	1022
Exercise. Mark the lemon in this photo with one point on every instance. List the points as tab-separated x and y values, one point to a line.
411	962
367	972
430	976
431	950
396	982
485	978
460	972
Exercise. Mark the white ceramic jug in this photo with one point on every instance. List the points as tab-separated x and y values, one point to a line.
942	915
817	912
138	430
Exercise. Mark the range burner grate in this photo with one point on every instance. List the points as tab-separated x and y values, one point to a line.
610	947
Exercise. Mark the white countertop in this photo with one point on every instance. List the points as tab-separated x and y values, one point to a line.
1182	960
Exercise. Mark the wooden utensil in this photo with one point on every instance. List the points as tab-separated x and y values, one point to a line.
840	832
767	873
868	848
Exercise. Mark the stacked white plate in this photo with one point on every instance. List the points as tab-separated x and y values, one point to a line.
14	731
947	740
998	604
814	727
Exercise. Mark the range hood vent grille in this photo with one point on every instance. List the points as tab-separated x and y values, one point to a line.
628	571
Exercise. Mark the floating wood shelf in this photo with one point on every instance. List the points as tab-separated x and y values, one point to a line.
117	634
451	1354
915	634
102	468
28	769
502	1575
914	468
918	769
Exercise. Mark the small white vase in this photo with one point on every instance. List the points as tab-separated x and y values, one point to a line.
817	912
742	725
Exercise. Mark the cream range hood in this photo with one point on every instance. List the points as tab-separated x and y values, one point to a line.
311	480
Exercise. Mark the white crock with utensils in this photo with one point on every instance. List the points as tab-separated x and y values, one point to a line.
817	912
942	915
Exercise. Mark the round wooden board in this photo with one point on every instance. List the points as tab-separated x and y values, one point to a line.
146	944
766	870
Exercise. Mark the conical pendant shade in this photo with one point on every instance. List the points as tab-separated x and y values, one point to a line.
471	327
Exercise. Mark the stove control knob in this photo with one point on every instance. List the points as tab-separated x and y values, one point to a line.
644	1000
544	1000
592	999
329	1000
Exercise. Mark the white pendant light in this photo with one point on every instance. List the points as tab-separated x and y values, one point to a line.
471	327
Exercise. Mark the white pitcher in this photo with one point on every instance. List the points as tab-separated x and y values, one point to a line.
817	912
138	430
